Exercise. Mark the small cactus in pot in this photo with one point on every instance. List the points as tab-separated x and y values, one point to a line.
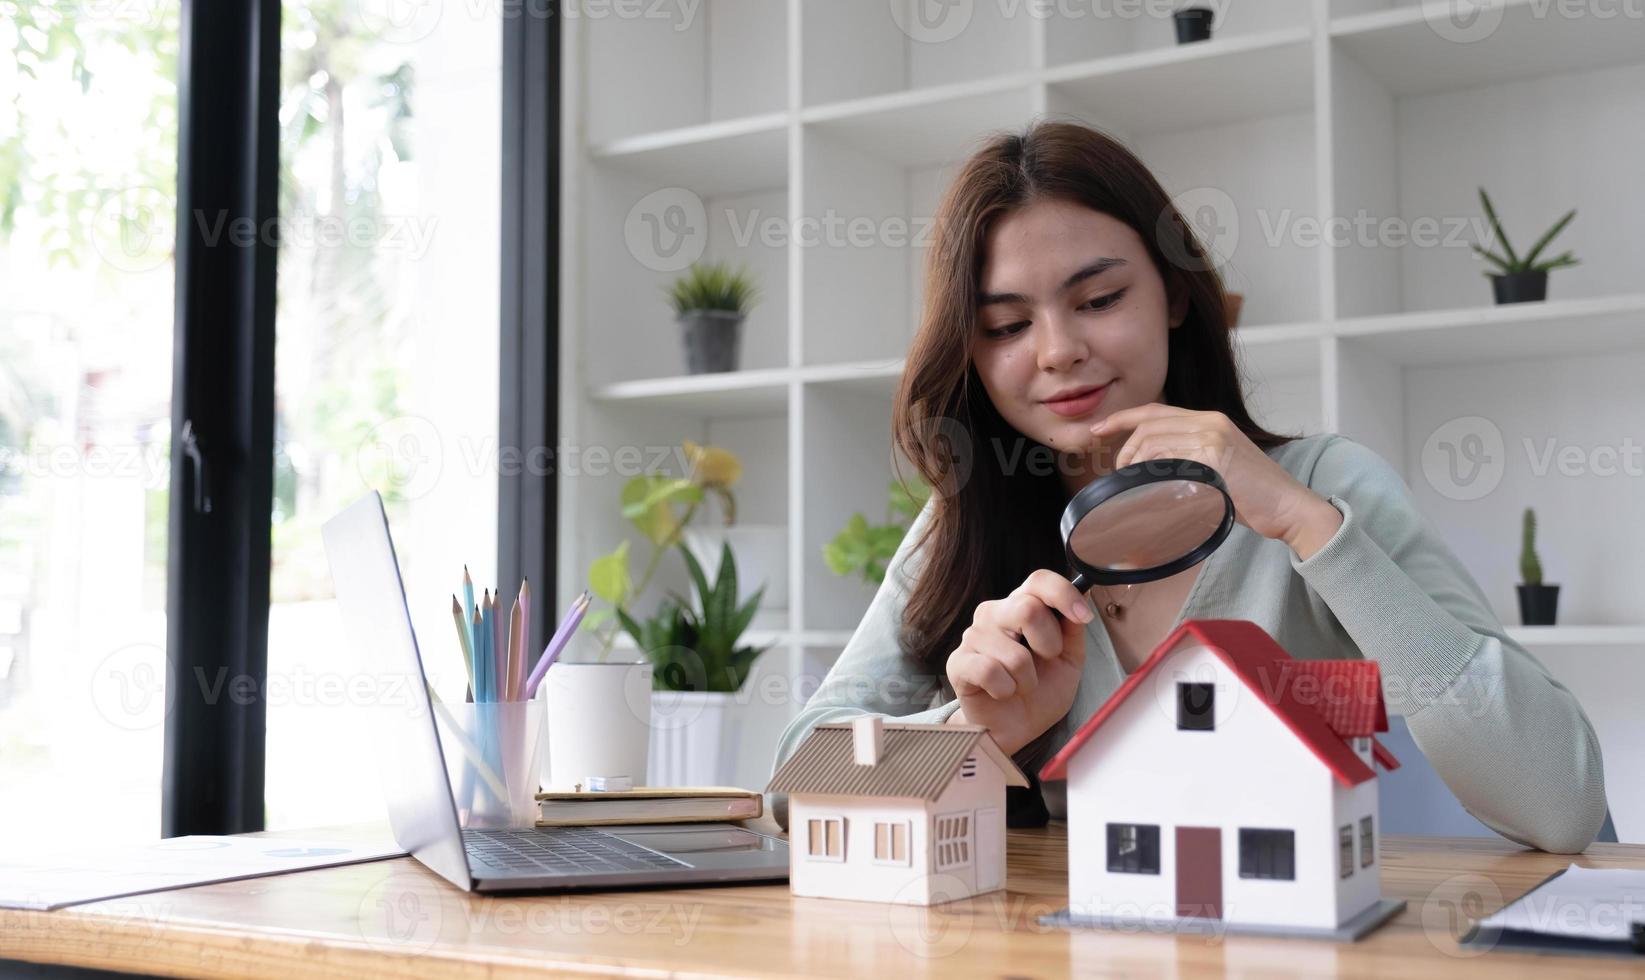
1538	603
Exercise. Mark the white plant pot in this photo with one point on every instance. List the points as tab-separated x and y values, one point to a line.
761	551
694	738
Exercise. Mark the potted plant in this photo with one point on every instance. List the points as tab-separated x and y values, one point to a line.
1193	24
698	665
1538	603
762	549
710	302
865	549
1521	280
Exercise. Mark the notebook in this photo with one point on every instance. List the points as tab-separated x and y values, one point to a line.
1577	910
651	804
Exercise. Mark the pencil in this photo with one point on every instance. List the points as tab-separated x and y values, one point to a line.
499	642
482	683
511	687
463	641
520	669
468	605
561	637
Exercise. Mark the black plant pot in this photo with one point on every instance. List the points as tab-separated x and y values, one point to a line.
1538	604
1193	24
1521	287
712	338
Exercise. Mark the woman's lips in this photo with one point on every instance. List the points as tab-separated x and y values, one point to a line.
1079	404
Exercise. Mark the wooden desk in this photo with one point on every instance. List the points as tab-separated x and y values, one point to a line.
395	918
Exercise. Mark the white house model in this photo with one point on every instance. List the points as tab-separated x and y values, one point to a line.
891	812
1226	783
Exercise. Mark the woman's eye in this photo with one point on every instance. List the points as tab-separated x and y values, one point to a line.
1009	330
1104	302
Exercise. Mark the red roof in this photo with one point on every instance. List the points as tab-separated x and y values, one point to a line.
1323	702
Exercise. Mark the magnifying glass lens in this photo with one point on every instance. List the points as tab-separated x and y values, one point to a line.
1148	526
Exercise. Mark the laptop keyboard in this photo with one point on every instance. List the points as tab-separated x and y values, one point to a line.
562	850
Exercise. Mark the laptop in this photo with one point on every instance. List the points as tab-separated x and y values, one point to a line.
421	808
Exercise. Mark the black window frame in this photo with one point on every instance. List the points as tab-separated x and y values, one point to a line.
1345	851
1367	842
1144	860
1268	853
1196	719
222	424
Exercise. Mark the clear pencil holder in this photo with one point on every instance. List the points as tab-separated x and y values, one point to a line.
491	756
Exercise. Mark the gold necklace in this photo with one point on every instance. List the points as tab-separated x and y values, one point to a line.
1112	607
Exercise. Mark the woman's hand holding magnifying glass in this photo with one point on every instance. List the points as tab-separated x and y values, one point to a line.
1019	663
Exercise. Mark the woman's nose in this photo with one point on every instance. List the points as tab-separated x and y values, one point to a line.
1061	346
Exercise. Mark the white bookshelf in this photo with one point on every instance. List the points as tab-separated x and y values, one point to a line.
796	110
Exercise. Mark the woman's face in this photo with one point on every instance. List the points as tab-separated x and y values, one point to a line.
1071	322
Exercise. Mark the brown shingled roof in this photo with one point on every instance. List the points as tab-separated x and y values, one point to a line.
916	761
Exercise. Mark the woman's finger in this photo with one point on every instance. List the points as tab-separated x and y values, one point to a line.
1058	593
1017	660
972	673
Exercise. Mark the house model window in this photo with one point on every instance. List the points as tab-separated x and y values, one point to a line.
1345	849
1133	848
1267	854
1367	842
825	839
953	842
1196	707
891	842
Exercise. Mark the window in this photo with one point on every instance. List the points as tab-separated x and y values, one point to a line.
1367	843
1196	704
1345	849
825	839
891	842
366	357
968	768
953	841
1267	853
1362	744
88	140
1133	848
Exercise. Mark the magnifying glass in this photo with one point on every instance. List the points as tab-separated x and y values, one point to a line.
1146	521
1142	522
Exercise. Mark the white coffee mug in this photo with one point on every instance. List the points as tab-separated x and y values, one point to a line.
599	722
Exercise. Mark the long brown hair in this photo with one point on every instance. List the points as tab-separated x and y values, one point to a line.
995	513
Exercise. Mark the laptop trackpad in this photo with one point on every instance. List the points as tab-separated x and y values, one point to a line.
697	845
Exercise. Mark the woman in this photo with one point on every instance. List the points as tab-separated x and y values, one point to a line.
1074	325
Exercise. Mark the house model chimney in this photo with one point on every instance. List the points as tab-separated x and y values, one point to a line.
867	734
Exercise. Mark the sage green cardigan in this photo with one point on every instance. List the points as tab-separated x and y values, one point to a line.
1508	739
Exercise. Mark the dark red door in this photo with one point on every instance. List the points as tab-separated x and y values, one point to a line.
1199	872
